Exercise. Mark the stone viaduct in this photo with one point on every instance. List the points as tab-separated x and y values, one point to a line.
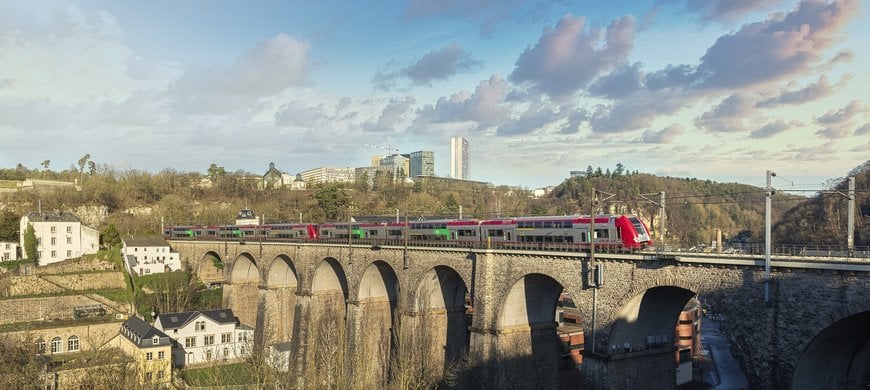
379	312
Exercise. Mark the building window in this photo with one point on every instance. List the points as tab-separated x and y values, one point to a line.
208	355
200	326
148	376
226	338
160	374
208	340
56	345
72	344
69	229
189	342
161	355
243	350
69	253
155	340
54	241
40	346
54	229
53	254
69	240
149	356
243	337
226	352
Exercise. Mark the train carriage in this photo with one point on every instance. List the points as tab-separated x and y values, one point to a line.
357	230
564	233
302	231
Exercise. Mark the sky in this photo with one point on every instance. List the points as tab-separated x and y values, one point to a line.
711	89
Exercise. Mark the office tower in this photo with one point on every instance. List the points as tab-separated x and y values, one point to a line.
422	163
459	158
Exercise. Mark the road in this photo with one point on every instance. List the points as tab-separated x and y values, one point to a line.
725	372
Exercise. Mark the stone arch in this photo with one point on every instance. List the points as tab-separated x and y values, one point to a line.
376	329
210	267
440	323
378	281
527	344
646	317
329	276
441	288
244	269
281	273
327	339
531	301
837	356
280	299
241	294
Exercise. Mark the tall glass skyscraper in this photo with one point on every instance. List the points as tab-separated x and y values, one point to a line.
459	158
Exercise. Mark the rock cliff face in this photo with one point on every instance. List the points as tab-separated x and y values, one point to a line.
92	216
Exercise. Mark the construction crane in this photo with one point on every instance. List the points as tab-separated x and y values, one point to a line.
387	148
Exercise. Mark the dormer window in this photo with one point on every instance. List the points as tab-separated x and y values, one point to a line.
200	326
155	340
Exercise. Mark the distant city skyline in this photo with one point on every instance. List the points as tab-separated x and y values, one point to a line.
719	90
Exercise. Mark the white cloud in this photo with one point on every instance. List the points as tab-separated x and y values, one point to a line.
270	67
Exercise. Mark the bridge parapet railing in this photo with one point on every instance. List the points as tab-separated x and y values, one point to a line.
859	254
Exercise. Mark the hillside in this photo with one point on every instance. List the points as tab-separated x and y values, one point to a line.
138	201
695	209
823	220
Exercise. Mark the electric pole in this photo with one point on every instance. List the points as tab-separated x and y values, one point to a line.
769	191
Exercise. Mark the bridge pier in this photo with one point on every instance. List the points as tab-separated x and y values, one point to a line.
280	305
244	299
654	369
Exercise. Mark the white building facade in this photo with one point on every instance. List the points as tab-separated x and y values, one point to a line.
60	236
459	168
328	175
149	255
205	336
8	251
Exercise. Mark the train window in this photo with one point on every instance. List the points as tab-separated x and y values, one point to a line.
547	225
373	233
602	233
495	232
466	233
395	232
637	225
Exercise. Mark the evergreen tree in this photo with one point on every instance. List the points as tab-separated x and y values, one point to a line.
332	200
110	236
620	170
589	171
8	226
30	244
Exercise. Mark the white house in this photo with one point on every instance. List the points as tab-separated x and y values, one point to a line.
148	255
8	251
203	336
60	236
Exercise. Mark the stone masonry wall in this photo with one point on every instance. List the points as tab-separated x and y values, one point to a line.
46	284
41	309
769	339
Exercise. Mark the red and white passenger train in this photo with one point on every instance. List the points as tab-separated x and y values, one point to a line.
565	233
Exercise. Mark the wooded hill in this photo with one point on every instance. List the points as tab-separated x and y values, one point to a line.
137	201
